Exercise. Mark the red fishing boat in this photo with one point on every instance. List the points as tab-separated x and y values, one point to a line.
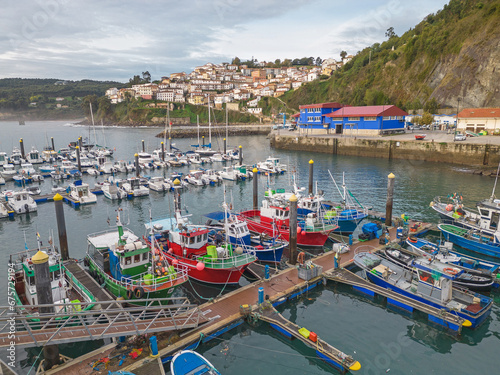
275	219
420	137
187	246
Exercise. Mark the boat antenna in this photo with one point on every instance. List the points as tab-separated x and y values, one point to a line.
335	182
495	185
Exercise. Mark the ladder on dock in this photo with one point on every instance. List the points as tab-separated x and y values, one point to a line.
325	351
115	318
435	314
99	293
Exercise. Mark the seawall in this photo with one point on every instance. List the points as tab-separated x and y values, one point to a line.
192	131
462	153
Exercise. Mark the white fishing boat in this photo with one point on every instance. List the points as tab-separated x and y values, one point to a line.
217	157
107	167
20	201
34	190
134	187
58	189
196	178
80	191
4	159
49	155
34	156
67	166
271	165
145	160
157	183
2	180
212	175
8	172
110	190
5	210
16	157
27	169
229	173
93	172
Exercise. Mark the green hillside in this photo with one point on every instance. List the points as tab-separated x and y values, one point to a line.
449	55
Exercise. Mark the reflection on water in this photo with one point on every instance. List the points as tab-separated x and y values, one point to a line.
380	337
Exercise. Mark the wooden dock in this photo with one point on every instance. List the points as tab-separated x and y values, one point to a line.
223	313
325	351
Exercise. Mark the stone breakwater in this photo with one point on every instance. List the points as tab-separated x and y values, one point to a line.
217	131
484	156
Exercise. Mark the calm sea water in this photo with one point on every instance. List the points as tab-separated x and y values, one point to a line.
380	338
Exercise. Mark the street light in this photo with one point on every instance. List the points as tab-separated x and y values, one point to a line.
456	123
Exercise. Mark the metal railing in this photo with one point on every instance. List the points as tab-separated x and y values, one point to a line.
115	318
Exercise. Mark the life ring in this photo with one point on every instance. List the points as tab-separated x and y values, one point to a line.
450	271
130	294
139	292
301	257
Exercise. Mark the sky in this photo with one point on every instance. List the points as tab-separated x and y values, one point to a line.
115	40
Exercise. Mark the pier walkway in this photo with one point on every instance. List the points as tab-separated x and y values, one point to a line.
325	351
73	324
99	293
223	313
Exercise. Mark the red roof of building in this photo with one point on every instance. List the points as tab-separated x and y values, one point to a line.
296	115
480	112
371	110
322	105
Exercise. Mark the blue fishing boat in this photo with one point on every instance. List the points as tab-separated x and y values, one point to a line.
236	232
472	239
444	254
188	362
430	284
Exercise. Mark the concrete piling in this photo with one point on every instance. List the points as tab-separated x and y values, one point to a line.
52	140
241	154
311	171
44	295
162	151
390	198
61	227
21	145
292	241
137	167
80	142
143	146
78	158
225	150
255	189
203	140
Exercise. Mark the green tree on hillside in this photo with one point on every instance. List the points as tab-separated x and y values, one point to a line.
390	33
146	77
343	55
87	100
236	61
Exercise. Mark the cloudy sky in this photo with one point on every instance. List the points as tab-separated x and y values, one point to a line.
114	40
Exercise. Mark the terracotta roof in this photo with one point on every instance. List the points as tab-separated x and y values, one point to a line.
322	105
480	112
296	115
371	110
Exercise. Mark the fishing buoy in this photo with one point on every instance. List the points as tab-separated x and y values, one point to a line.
170	251
299	229
200	266
175	262
238	250
303	232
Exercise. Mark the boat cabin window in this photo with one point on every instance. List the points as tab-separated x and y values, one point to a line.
145	256
55	275
191	240
205	237
31	280
494	220
484	212
137	258
199	238
425	277
126	261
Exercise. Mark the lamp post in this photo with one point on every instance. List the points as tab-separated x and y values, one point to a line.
456	123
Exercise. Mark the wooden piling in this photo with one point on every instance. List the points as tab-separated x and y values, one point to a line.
390	198
311	171
80	142
52	140
241	154
143	146
225	149
61	227
293	230
162	151
255	189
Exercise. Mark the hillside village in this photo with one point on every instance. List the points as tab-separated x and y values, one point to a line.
227	83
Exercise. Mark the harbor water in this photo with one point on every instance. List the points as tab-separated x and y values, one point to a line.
381	338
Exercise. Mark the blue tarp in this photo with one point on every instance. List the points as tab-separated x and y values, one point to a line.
217	215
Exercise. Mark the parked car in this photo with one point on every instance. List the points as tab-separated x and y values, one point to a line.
460	137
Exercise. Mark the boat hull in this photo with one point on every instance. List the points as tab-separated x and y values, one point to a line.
472	245
304	238
476	321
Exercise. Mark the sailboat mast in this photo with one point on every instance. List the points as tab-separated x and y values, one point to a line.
226	124
198	126
92	117
169	128
495	185
209	124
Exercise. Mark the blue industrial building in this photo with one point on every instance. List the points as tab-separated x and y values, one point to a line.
342	119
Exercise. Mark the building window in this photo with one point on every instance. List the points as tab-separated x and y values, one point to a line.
354	118
386	118
370	118
318	118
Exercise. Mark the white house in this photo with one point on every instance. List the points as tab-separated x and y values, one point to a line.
479	119
255	111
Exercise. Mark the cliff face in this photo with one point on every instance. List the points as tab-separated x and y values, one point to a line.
451	55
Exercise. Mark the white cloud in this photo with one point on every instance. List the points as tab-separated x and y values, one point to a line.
117	39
